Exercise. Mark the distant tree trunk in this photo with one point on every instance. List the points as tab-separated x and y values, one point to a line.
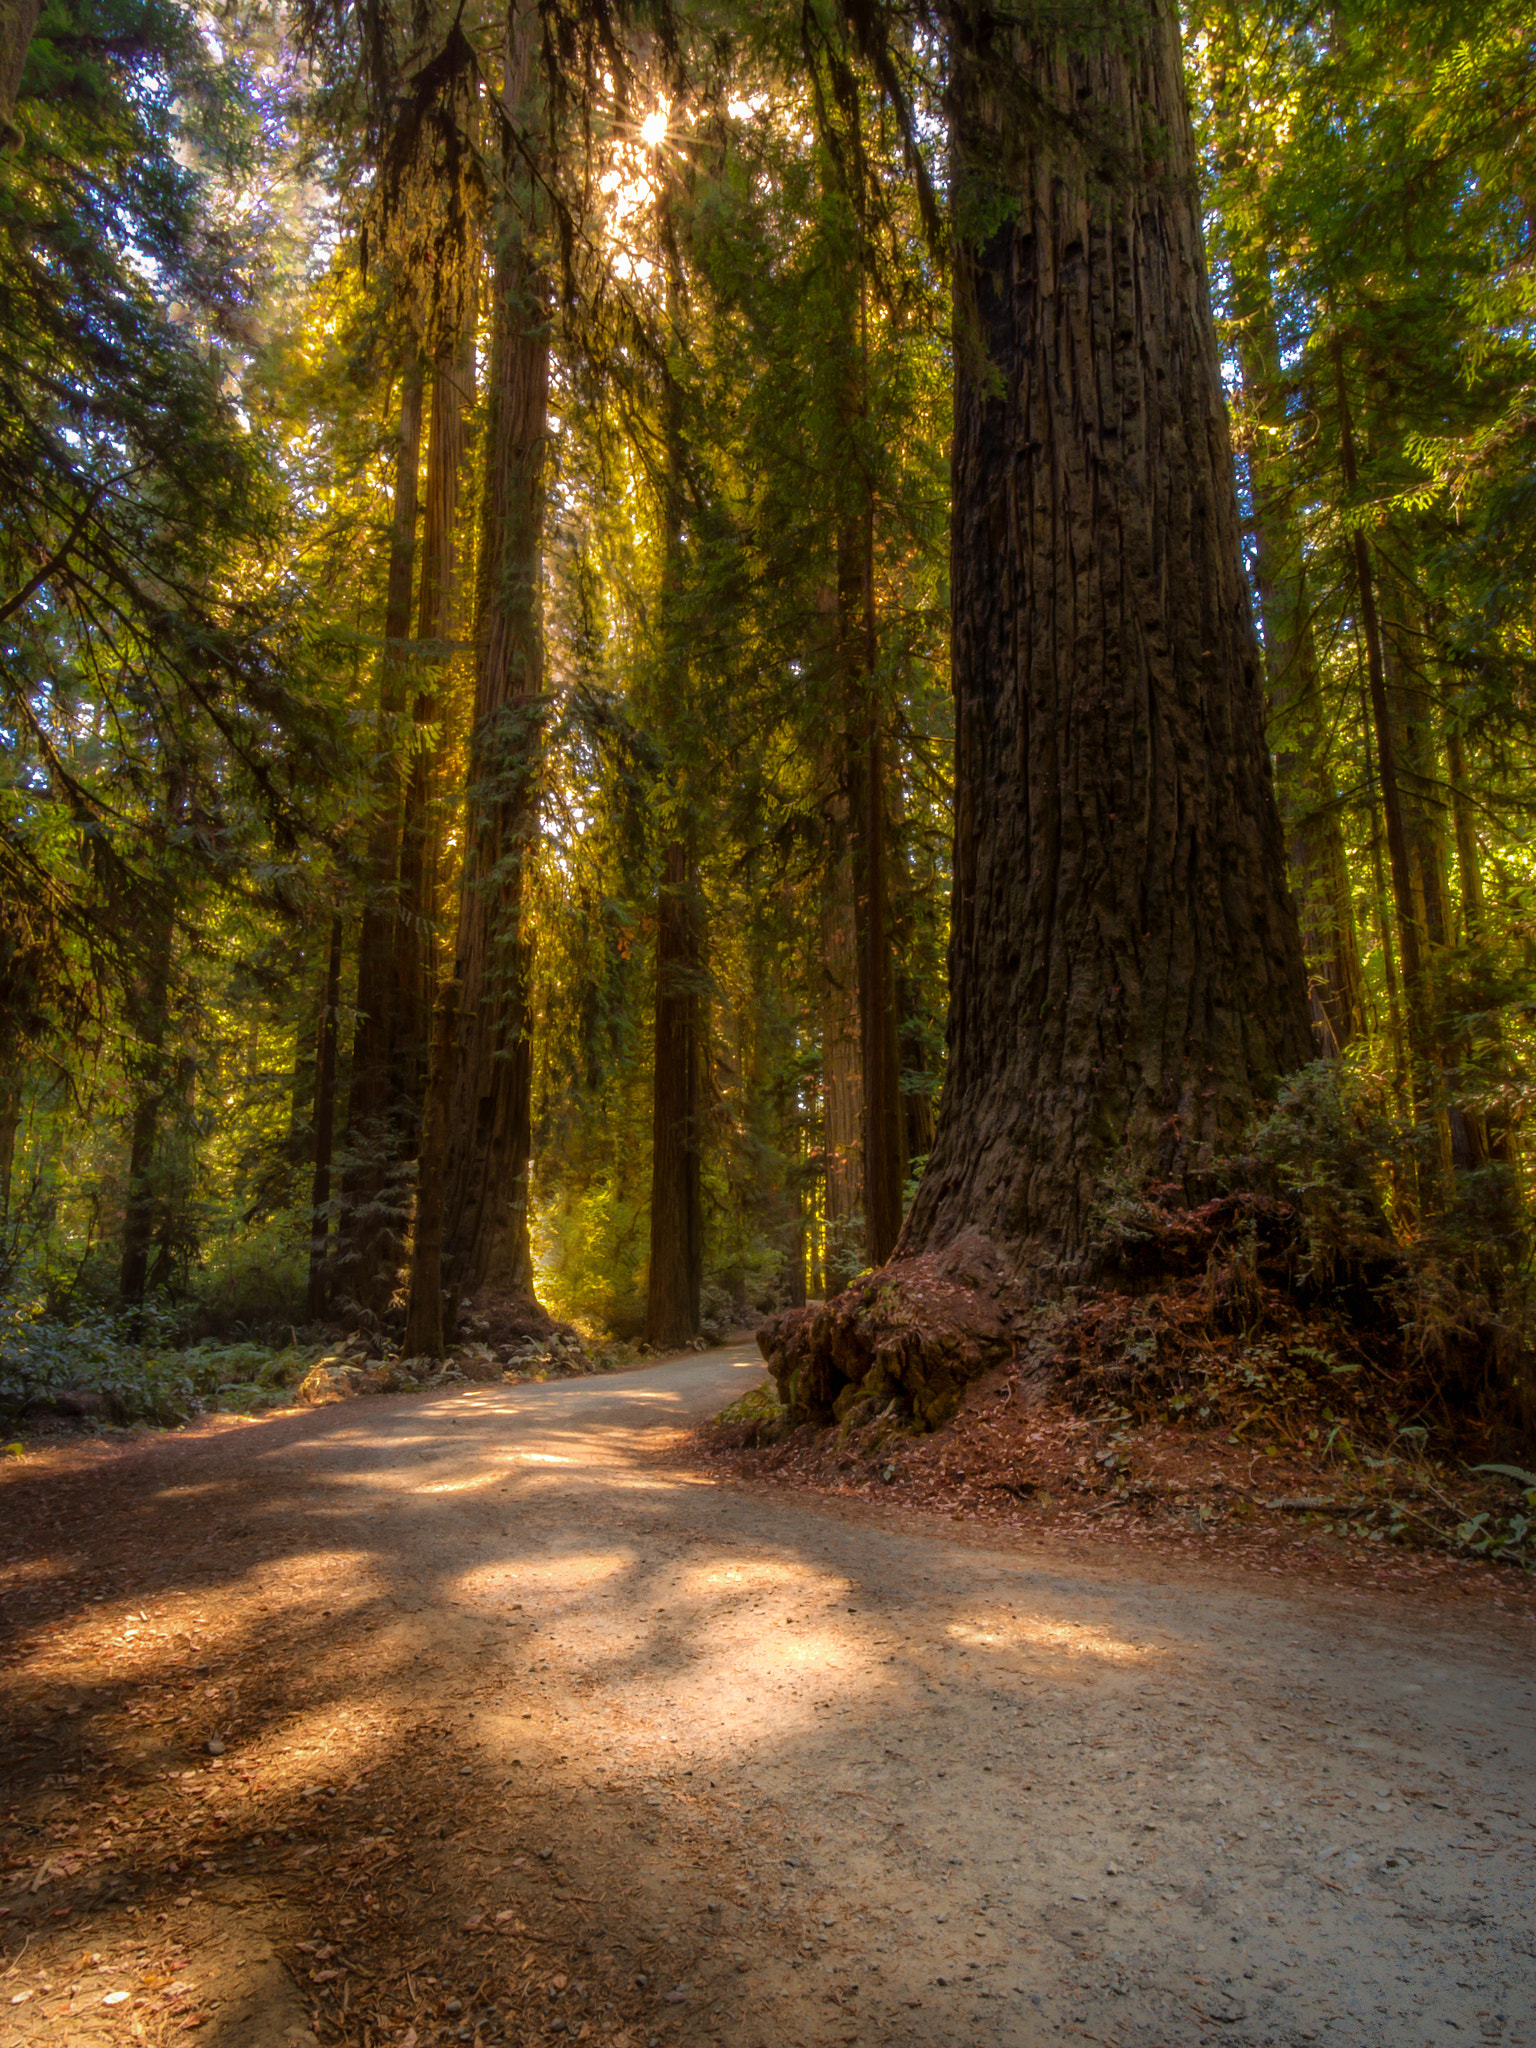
1314	836
1417	997
301	1074
1125	972
1409	693
883	1175
1492	1132
371	1231
675	1280
675	1277
325	1123
879	1059
842	1058
148	1011
10	1124
491	1125
425	1330
416	925
1468	864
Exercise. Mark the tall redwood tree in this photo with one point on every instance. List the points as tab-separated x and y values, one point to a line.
1126	976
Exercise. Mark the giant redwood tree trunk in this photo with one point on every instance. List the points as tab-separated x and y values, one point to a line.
1125	969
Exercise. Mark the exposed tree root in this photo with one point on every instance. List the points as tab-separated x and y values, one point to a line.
1209	1303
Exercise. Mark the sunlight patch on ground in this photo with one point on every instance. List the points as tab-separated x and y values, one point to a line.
1076	1638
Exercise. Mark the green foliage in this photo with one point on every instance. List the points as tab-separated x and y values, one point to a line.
130	1373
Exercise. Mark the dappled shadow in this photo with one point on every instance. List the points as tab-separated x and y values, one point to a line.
500	1697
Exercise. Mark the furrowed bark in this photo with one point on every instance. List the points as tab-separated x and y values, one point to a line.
1126	977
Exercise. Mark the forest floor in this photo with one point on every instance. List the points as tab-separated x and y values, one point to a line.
500	1713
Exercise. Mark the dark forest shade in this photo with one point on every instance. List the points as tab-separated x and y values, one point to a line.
1125	967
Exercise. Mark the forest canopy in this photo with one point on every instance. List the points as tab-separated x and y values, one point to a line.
651	656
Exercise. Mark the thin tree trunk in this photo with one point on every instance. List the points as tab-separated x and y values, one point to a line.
675	1276
10	1124
1417	999
148	1016
425	1330
325	1123
1314	836
675	1279
883	1174
491	1137
1468	865
842	1076
1125	971
421	829
371	1231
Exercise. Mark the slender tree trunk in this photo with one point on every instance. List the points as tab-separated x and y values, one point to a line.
1314	836
1126	978
1468	865
10	1124
1417	999
883	1174
675	1277
372	1226
676	1274
148	1016
425	1330
421	829
842	1076
491	1135
866	803
1490	1132
325	1123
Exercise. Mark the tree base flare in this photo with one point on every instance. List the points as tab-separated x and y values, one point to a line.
1182	1300
917	1333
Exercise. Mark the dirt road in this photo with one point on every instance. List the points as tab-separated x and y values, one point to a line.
774	1772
